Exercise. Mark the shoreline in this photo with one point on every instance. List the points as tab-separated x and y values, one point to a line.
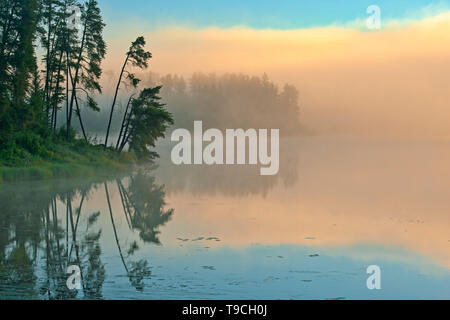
71	166
48	171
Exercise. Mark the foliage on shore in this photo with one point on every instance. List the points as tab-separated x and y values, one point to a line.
50	70
28	156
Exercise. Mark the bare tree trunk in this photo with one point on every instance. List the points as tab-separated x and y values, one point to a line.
47	73
67	97
74	94
77	69
55	103
123	122
115	99
81	121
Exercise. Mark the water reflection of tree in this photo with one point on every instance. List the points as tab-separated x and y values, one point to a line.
143	206
44	229
231	180
35	249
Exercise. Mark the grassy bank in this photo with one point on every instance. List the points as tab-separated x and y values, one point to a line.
50	170
28	157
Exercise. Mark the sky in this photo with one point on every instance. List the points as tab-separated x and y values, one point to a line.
259	14
352	80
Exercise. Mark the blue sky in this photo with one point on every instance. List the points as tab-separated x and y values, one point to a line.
260	14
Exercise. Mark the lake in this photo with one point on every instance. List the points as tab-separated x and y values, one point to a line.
336	207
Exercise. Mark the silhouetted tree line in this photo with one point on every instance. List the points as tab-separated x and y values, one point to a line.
230	101
221	101
50	67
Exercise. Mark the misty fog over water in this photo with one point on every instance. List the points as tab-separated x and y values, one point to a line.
219	232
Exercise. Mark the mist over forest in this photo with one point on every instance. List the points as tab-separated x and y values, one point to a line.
220	101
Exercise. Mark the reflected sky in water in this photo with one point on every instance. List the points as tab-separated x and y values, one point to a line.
336	207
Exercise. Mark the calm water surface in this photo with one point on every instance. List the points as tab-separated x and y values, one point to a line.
336	207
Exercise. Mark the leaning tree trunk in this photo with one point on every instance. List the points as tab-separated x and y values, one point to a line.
122	127
115	99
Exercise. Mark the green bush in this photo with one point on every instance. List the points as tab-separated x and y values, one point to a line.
31	142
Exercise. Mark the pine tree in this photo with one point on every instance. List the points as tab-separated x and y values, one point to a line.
85	67
23	62
137	57
147	122
49	39
9	21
